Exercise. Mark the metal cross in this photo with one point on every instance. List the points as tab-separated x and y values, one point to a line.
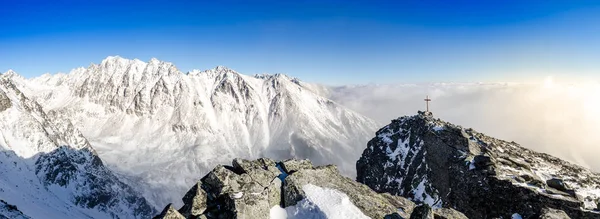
427	101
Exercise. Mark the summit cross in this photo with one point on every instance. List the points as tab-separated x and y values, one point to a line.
427	101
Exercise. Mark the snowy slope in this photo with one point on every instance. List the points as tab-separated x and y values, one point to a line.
319	203
49	170
161	129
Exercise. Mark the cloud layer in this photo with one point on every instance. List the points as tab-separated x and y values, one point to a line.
559	119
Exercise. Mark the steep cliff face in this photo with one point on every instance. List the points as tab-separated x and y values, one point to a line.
292	189
49	170
445	165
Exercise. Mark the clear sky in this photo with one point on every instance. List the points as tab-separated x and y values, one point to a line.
331	42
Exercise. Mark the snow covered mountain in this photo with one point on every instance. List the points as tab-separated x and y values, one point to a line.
161	129
444	165
49	170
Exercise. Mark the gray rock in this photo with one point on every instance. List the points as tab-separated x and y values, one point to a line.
4	101
448	213
247	189
194	201
557	184
422	212
293	165
482	161
261	171
405	206
236	191
551	213
169	213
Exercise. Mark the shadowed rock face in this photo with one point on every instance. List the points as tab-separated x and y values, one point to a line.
443	165
4	101
249	189
8	211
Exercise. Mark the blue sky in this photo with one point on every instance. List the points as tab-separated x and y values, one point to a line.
331	42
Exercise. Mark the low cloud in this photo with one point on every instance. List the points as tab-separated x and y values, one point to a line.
558	119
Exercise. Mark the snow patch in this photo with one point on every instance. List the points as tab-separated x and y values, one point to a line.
438	128
516	216
421	195
472	164
238	195
320	203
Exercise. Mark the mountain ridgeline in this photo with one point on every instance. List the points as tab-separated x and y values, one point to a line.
146	119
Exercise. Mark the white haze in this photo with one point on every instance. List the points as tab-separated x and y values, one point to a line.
558	119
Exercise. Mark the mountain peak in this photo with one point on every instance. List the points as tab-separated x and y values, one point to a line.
222	68
154	60
442	164
277	75
10	73
110	59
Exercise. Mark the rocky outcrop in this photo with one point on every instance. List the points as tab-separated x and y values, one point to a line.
8	211
251	189
549	213
444	165
4	101
169	213
448	213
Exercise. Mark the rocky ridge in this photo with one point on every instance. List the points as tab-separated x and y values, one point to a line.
257	188
444	165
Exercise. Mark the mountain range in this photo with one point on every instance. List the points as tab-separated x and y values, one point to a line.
125	138
160	129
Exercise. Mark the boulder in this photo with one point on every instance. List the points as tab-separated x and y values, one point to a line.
169	213
557	184
246	190
262	171
551	213
448	213
422	212
194	201
481	161
293	165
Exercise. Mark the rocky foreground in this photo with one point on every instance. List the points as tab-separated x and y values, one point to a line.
260	188
444	165
417	167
